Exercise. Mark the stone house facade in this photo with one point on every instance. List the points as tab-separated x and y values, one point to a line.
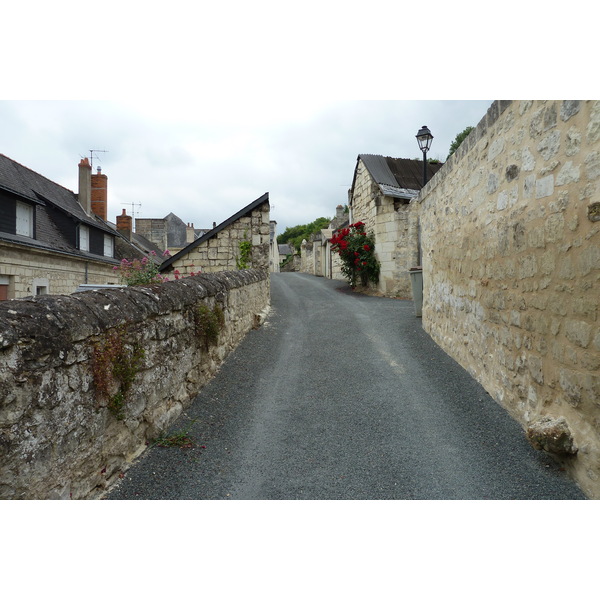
380	196
54	241
316	256
242	241
51	239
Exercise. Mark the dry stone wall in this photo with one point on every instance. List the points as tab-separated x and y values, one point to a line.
58	437
511	265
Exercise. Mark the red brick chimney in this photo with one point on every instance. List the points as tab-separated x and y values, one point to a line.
100	194
124	223
85	187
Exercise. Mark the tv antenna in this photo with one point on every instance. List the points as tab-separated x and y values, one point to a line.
92	156
133	211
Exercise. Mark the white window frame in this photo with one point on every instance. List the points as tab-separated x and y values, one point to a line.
84	238
24	219
109	245
40	286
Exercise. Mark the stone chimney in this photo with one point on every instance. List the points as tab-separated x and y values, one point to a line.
124	223
189	233
99	195
85	185
339	212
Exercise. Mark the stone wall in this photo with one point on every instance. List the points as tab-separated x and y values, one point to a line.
62	274
511	265
222	250
58	436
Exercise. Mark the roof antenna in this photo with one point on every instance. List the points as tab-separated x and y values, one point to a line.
132	204
92	156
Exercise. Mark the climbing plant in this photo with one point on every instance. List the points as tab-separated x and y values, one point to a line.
115	363
245	253
208	324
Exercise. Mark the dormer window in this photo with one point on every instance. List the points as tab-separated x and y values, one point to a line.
84	238
108	245
24	224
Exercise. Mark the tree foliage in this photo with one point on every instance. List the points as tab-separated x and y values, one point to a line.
459	139
295	235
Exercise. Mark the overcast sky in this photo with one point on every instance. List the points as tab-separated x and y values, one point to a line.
206	160
203	107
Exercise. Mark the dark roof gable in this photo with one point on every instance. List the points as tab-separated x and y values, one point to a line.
210	234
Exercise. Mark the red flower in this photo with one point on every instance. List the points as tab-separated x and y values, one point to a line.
366	247
364	263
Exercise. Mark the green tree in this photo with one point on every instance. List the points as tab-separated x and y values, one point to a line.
459	139
295	235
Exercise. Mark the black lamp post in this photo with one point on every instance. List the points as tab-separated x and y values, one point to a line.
424	138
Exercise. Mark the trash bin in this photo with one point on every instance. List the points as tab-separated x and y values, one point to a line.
416	282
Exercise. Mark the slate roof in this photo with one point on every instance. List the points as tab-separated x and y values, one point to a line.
213	232
397	177
28	184
48	197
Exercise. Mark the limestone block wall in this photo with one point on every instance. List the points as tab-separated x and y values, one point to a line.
511	265
394	224
363	199
222	251
62	274
58	437
307	260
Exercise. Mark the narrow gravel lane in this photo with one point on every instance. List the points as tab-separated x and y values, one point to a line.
343	396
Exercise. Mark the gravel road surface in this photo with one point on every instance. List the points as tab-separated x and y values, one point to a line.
343	396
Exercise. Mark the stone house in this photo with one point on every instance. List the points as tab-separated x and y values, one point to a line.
242	241
51	239
382	189
274	254
169	233
317	257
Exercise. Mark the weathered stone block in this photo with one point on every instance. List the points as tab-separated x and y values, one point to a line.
552	435
544	187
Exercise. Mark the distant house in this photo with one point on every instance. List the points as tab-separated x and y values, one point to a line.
242	241
169	233
316	255
146	247
382	188
284	250
273	248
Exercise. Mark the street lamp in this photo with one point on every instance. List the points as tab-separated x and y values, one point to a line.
424	138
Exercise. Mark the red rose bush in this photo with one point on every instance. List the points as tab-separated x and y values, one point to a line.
357	252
